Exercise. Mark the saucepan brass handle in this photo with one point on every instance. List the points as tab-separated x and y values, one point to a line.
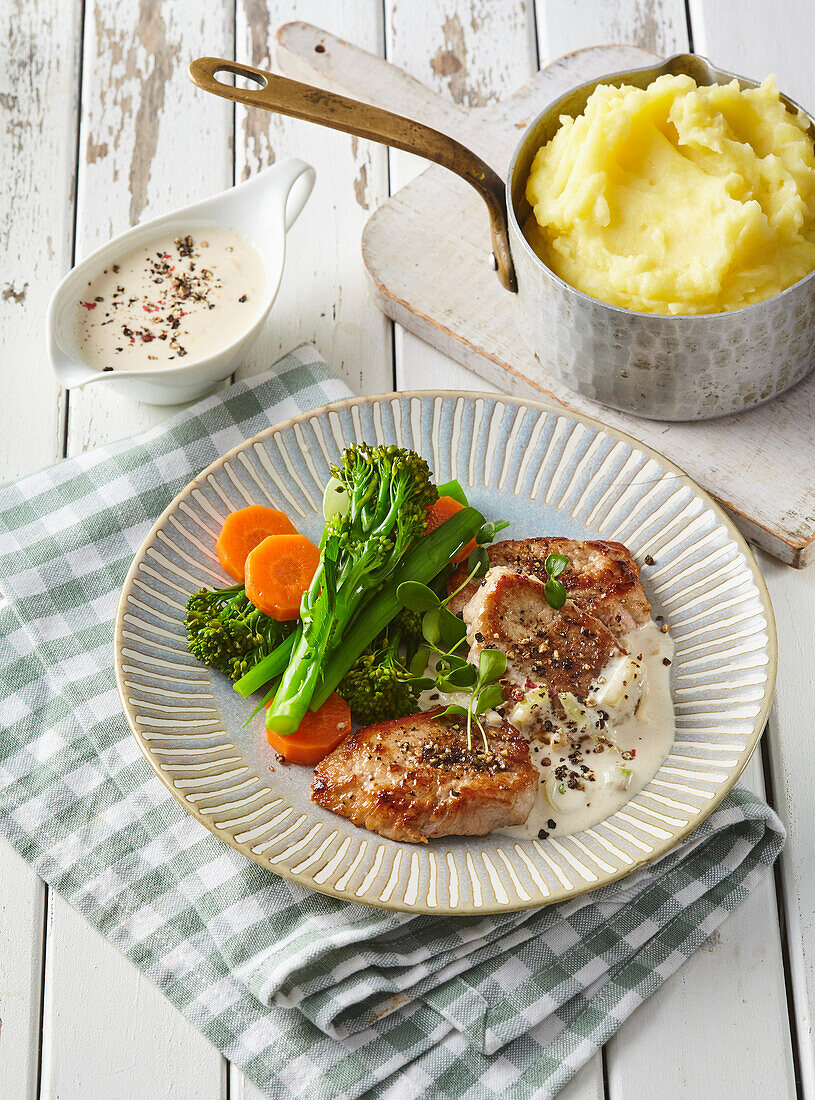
290	97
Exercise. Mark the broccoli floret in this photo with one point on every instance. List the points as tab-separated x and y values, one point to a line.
225	630
389	489
375	687
409	625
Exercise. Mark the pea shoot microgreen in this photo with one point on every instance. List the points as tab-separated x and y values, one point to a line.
445	634
485	692
488	531
554	589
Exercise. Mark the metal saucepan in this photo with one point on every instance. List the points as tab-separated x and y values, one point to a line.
665	367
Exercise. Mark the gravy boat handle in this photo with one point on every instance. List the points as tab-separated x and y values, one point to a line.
289	183
290	97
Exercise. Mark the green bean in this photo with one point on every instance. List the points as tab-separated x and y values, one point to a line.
272	665
425	560
267	698
453	489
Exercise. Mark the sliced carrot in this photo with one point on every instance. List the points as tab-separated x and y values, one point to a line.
243	531
439	513
317	735
278	572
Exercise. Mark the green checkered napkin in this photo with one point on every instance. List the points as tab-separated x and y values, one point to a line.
311	996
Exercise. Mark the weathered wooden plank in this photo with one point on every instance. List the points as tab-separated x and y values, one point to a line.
299	41
657	25
149	142
472	54
306	53
757	39
324	297
793	780
109	1033
40	44
22	913
40	48
587	1083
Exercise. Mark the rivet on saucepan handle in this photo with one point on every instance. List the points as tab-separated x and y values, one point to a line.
290	97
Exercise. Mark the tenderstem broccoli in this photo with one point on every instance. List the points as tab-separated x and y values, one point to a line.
426	559
388	490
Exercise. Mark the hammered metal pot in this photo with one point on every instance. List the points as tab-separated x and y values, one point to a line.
653	365
659	366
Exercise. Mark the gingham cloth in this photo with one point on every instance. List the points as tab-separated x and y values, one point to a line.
310	996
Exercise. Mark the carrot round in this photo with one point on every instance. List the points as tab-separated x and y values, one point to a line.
243	531
317	735
278	572
439	513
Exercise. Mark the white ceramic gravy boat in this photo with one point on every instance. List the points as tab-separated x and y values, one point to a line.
262	209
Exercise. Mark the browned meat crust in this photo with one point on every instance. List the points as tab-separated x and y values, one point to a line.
563	650
602	578
414	778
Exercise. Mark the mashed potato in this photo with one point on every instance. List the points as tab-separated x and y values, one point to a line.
677	198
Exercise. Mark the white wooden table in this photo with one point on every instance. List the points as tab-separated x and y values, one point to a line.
100	129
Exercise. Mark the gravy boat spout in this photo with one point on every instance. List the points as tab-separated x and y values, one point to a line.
262	210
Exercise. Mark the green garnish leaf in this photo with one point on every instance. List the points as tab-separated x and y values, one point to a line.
554	589
417	596
441	627
555	564
459	679
488	531
431	631
452	629
555	594
490	697
478	562
492	664
421	683
419	662
449	661
454	710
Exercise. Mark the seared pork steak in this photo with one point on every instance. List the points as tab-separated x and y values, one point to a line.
602	578
414	778
563	651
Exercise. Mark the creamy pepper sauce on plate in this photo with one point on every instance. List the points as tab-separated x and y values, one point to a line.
595	758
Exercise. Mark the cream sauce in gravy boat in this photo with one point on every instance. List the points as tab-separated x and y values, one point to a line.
262	210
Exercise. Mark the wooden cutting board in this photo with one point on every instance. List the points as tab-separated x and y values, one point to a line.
426	250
